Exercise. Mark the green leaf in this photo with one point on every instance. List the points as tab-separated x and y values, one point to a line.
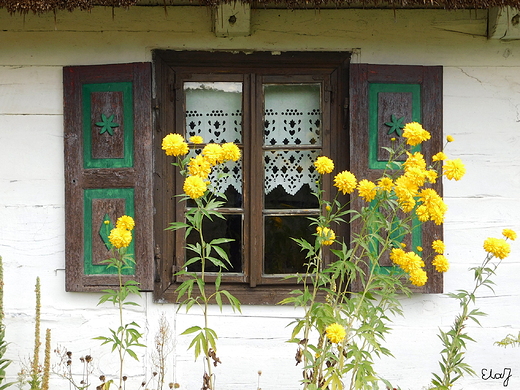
191	330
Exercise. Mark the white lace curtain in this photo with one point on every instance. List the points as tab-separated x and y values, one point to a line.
292	118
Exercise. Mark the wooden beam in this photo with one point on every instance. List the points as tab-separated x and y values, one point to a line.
232	19
503	23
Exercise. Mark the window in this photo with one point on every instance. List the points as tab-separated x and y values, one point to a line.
282	110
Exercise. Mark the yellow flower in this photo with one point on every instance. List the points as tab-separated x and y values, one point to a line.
335	333
367	190
416	175
125	222
405	190
120	237
431	176
419	249
454	169
328	236
195	186
385	184
439	246
418	277
441	263
106	222
231	151
346	182
449	138
397	255
439	157
498	247
174	145
415	134
213	153
199	166
324	165
414	160
411	261
508	233
196	139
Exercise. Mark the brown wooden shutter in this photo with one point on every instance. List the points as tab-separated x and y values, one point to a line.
108	169
381	94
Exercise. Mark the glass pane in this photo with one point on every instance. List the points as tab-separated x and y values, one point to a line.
214	111
290	179
282	254
292	114
229	227
225	178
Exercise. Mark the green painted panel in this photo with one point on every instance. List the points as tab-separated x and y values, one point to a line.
93	221
411	114
108	125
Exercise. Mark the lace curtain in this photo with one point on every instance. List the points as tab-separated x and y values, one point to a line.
292	119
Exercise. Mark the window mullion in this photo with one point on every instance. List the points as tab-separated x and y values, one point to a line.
255	175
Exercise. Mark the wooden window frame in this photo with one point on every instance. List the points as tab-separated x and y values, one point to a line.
170	69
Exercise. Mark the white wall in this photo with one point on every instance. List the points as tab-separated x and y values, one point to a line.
481	111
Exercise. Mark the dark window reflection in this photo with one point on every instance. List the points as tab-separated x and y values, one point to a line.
230	227
282	254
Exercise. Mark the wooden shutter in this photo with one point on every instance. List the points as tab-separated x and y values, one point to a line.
108	169
380	94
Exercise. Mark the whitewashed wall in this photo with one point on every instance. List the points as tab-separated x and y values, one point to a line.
481	111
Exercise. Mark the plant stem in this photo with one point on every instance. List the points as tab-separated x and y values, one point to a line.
120	307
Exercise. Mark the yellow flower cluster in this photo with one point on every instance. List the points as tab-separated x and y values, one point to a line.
408	190
498	247
412	264
336	333
121	235
431	207
199	167
326	234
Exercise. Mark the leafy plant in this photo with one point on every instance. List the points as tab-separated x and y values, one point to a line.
127	335
349	326
204	203
454	341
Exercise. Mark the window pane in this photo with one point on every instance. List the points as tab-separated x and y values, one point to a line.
290	179
282	254
229	227
214	111
292	114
